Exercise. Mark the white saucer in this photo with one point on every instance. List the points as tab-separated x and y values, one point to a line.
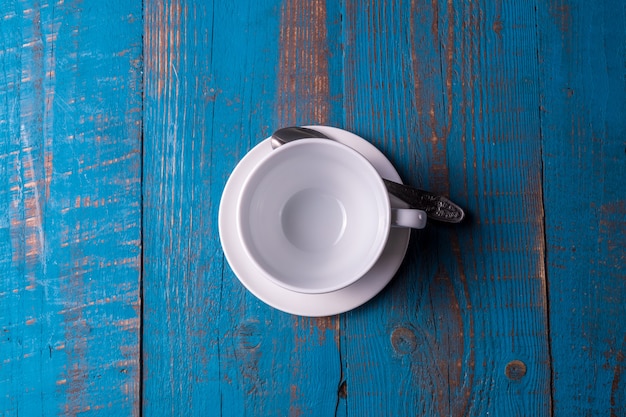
312	305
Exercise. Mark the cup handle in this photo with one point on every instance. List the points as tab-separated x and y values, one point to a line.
413	218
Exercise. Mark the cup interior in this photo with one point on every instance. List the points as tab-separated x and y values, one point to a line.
314	216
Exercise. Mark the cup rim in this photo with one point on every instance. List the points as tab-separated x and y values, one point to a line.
381	190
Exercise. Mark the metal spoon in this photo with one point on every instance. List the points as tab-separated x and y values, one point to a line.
436	207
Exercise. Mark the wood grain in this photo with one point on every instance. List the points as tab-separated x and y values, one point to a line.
439	90
210	347
181	325
70	207
109	193
582	52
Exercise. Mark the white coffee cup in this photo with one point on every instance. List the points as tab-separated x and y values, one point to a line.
315	216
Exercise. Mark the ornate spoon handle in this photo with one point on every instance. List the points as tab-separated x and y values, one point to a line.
436	207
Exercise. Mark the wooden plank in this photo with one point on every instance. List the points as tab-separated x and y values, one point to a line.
310	91
219	77
583	119
70	140
449	91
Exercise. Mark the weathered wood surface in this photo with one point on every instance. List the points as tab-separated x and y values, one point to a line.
517	110
70	207
583	124
454	103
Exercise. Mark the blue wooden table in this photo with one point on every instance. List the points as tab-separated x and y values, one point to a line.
120	122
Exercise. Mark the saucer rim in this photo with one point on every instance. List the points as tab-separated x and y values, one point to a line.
309	304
